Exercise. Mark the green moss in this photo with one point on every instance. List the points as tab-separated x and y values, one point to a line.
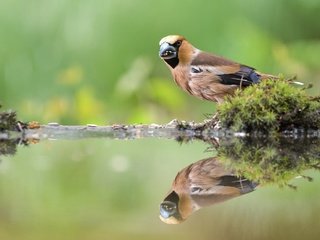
270	106
8	121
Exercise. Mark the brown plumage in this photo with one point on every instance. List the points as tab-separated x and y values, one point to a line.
205	75
201	184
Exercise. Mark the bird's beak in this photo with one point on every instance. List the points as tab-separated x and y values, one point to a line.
167	51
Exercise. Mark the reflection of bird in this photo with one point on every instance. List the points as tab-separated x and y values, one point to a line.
205	75
201	184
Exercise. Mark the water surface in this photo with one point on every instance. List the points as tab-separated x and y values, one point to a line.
112	189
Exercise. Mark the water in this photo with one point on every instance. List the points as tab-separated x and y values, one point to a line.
69	186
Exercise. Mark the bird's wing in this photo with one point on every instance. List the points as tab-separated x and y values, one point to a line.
244	76
229	72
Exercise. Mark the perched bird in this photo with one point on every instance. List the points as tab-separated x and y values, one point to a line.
205	75
201	184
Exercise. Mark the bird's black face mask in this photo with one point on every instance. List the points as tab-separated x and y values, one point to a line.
169	53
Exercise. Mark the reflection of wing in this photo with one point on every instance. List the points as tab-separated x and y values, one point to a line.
244	185
211	183
207	173
229	187
201	184
203	200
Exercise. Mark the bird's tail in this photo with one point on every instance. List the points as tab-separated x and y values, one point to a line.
290	80
268	76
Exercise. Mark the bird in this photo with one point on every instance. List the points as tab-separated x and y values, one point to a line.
205	75
202	184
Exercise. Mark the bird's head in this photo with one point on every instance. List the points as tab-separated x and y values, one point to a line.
175	49
175	209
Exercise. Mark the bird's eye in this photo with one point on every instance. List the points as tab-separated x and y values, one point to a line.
178	43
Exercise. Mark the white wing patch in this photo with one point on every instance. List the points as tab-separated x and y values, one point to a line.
207	69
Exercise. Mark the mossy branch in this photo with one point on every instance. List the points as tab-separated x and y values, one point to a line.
270	106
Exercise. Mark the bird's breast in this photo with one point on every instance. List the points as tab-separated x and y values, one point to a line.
202	83
181	76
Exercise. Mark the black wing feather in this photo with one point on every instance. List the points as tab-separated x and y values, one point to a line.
244	77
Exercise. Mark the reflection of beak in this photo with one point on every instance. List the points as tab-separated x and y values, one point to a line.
169	209
167	51
169	213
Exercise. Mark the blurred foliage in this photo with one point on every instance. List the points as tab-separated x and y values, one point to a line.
78	61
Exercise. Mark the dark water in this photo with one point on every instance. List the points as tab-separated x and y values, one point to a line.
105	188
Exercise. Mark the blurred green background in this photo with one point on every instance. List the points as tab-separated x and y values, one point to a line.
77	61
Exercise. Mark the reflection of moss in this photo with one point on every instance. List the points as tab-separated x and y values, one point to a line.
8	146
270	106
271	160
8	120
